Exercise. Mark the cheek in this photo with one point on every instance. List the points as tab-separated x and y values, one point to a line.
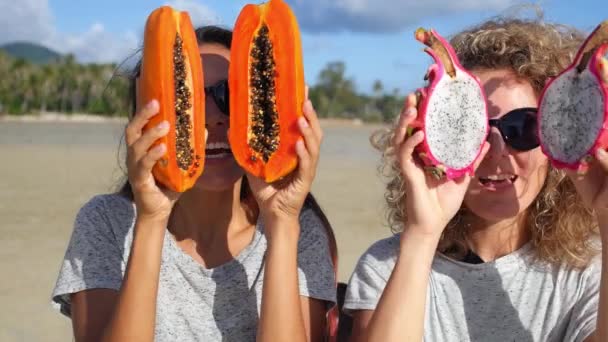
531	166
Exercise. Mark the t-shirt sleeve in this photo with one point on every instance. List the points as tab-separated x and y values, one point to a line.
370	277
583	319
315	268
94	257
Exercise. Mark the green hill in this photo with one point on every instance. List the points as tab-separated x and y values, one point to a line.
32	52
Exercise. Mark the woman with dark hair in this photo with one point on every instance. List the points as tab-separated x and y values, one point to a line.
231	259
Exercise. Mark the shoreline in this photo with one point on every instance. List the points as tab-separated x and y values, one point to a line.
51	117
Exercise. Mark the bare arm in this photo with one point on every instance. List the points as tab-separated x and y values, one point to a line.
283	311
281	316
314	314
135	312
430	204
130	315
91	312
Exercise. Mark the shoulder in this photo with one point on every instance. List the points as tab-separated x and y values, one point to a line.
108	214
382	253
312	228
108	205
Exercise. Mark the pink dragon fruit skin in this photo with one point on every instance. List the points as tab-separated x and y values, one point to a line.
453	102
587	66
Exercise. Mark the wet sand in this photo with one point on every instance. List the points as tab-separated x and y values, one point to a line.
49	169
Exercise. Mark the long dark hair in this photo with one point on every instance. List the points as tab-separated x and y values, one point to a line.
218	35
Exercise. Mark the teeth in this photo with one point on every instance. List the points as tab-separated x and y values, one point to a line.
499	177
217	145
217	156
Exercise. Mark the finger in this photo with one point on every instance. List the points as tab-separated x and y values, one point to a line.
147	162
141	118
310	139
305	163
306	92
313	119
407	151
408	115
602	157
603	66
143	144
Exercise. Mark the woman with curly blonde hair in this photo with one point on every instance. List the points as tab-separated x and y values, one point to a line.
510	255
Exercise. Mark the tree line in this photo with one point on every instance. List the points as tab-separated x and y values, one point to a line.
69	87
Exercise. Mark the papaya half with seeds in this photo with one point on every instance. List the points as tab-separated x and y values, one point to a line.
266	81
172	73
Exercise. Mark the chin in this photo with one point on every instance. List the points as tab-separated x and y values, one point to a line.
494	207
218	181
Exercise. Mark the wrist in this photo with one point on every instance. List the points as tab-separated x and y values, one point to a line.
421	239
281	228
151	222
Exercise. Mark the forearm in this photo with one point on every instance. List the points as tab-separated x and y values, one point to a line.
135	313
399	315
602	316
281	315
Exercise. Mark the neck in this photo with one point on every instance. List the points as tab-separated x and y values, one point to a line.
492	240
211	217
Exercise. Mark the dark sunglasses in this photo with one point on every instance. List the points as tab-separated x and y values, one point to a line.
518	128
220	94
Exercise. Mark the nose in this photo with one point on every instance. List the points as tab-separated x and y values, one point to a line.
214	117
498	147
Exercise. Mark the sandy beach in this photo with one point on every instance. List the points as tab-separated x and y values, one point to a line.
51	167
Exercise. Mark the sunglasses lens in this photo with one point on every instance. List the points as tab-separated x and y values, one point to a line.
223	97
519	129
220	95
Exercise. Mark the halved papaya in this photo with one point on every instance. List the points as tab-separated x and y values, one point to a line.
172	73
266	81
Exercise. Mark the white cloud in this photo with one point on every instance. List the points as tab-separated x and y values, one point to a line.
28	20
199	13
33	20
97	44
381	15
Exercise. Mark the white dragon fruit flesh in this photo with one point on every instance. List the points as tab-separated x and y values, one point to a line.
452	112
573	108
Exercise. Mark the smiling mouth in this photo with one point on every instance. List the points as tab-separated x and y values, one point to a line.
497	180
217	150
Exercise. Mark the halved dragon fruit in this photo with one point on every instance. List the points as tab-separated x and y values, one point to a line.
452	112
573	107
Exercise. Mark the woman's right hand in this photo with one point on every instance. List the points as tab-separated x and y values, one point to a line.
430	203
152	201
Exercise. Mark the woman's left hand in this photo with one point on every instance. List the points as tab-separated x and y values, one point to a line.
284	199
593	186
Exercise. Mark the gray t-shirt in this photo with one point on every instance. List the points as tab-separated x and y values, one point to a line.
513	298
194	303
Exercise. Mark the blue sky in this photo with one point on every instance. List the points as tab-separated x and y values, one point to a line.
373	37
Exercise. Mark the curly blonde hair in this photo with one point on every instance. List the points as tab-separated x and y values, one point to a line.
562	229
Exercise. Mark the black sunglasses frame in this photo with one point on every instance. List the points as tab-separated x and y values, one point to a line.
518	128
220	94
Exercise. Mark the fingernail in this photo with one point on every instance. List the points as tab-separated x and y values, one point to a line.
163	126
410	112
160	148
303	123
152	104
308	106
601	153
300	145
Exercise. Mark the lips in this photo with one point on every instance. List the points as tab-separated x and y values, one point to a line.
494	182
216	150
